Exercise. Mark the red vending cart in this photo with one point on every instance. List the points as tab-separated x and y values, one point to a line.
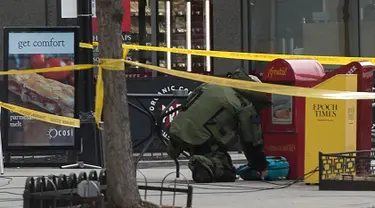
284	122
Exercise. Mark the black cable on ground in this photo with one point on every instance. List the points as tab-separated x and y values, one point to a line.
243	189
235	189
9	180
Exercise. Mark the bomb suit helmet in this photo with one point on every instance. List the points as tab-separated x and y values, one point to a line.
258	99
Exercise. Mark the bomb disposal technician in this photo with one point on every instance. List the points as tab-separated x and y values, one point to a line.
210	121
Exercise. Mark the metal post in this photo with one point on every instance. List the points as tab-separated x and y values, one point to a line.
103	144
188	33
155	33
283	46
168	13
84	14
2	155
189	203
142	32
272	25
207	19
291	46
88	119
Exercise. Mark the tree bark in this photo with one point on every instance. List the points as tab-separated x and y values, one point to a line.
122	189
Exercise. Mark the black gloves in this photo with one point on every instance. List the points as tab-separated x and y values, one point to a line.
258	161
255	155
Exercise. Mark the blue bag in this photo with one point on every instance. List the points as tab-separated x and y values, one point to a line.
278	169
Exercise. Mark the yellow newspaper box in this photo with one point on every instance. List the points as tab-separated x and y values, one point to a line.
331	125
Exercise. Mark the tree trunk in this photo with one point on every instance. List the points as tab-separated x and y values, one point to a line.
122	189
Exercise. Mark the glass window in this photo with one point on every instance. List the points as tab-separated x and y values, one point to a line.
304	27
133	36
367	27
162	37
178	36
174	24
139	34
189	31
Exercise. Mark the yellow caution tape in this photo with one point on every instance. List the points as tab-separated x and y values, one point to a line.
43	70
254	86
50	118
46	117
263	87
99	97
112	64
125	53
108	64
86	45
116	64
334	60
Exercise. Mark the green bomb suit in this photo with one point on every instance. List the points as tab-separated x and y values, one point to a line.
212	118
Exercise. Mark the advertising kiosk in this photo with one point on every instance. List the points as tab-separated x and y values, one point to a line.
58	93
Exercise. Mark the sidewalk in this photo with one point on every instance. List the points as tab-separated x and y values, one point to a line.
240	194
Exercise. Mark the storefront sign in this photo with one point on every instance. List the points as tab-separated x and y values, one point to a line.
50	92
126	18
155	105
131	71
69	10
140	127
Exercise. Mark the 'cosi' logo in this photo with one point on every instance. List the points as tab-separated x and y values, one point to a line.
277	72
54	133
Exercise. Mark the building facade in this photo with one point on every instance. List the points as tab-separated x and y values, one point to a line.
310	27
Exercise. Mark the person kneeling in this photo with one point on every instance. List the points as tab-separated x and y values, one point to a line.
211	119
